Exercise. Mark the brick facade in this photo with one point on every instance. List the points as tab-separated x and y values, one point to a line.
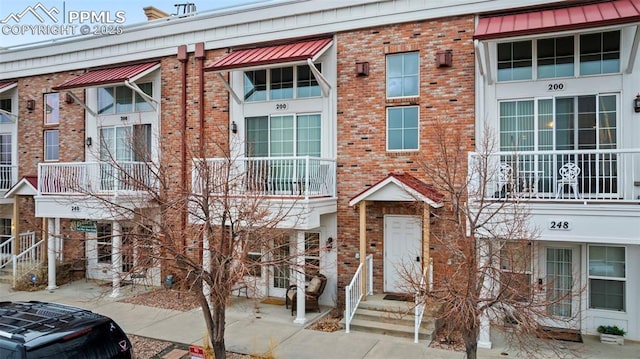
445	92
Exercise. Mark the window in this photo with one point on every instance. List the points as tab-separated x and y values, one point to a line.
122	99
402	128
289	135
5	161
514	61
125	143
607	278
5	229
51	145
281	83
104	242
555	57
515	263
5	104
254	264
600	53
597	53
52	108
402	75
312	254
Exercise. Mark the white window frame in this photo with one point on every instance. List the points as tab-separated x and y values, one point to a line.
294	89
609	278
136	99
48	146
403	129
48	118
403	75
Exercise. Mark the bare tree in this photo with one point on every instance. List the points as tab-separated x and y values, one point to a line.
212	233
488	245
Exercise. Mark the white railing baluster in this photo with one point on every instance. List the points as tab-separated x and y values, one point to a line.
353	291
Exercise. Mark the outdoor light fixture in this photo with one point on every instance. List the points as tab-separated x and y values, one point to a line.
31	105
636	103
444	58
89	141
234	127
362	68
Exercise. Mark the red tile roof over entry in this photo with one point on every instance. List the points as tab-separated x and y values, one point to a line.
561	19
106	76
297	51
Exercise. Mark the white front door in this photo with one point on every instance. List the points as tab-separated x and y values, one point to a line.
280	271
99	251
402	251
562	285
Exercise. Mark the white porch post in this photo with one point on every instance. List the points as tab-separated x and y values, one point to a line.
51	253
484	258
116	259
299	273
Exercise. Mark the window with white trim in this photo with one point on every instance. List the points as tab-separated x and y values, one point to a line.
51	145
51	108
607	278
402	128
6	105
403	73
281	83
311	254
284	135
122	99
6	169
104	242
515	265
565	56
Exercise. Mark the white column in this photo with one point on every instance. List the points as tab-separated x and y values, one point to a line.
299	273
116	259
51	253
484	254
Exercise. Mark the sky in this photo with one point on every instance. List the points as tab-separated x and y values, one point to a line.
68	17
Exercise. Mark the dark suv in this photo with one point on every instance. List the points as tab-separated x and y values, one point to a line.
30	330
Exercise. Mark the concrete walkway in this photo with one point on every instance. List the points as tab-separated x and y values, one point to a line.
270	328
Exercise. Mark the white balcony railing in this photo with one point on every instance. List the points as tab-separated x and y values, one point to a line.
599	175
96	177
266	176
8	176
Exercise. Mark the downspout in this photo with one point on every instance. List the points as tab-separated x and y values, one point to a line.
200	56
183	57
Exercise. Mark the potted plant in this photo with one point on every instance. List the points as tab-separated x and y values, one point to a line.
611	334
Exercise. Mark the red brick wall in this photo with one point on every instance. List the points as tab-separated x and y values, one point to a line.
445	93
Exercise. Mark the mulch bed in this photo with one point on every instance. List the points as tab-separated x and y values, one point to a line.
165	298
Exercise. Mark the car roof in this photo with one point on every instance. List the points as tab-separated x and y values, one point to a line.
35	323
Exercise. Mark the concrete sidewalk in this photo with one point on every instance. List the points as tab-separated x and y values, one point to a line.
271	327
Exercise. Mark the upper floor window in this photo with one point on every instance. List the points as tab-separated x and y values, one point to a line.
402	75
281	83
286	135
51	145
122	99
597	53
5	105
125	143
402	128
600	53
514	61
555	57
52	108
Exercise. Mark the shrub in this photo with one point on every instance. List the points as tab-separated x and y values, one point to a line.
609	329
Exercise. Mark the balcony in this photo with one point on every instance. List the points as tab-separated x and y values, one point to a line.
96	178
8	176
581	176
288	177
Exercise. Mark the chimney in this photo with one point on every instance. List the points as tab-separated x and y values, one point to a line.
154	13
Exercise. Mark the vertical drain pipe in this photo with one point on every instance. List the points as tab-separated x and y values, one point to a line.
200	56
183	57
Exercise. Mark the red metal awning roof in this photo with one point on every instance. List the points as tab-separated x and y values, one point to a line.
297	51
107	76
7	85
561	19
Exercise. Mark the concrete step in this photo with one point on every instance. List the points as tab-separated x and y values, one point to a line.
392	329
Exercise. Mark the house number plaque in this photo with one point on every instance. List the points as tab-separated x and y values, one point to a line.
560	225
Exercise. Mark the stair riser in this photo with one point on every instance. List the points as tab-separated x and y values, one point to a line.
394	333
384	318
